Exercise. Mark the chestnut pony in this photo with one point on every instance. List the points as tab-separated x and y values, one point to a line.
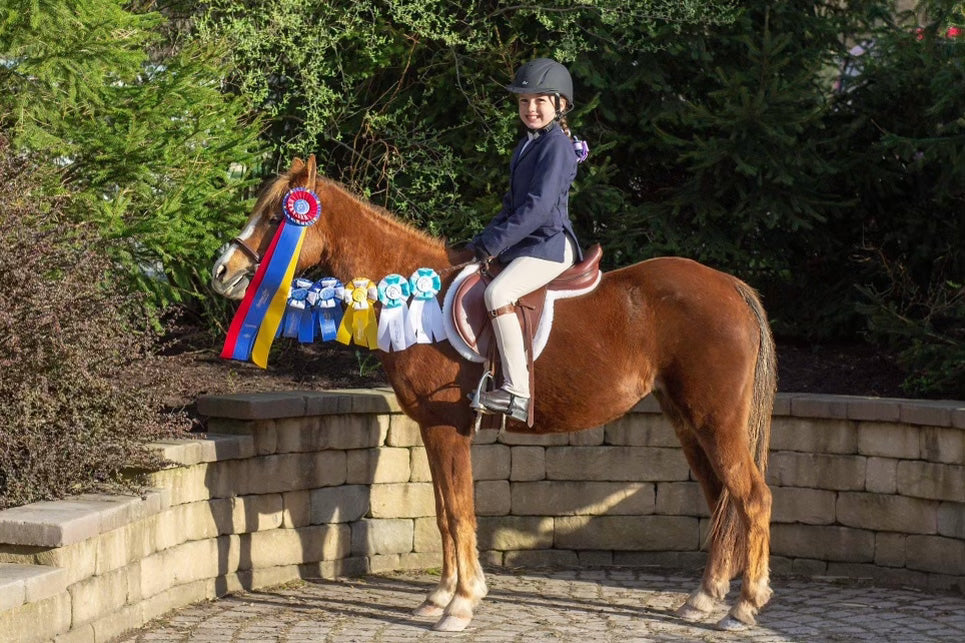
695	337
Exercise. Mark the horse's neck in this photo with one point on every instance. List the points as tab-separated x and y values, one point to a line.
361	243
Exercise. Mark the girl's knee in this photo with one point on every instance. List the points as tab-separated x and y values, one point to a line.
494	297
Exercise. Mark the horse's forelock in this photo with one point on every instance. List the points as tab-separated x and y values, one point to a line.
270	197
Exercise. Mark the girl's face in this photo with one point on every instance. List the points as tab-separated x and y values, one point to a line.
538	110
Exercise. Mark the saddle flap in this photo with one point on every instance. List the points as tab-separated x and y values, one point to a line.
469	314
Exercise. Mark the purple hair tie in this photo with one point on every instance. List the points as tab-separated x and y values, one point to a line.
581	148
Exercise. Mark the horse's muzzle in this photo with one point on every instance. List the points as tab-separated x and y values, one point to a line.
230	284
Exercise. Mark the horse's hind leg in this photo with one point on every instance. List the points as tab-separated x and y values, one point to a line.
734	487
743	518
740	535
719	569
463	583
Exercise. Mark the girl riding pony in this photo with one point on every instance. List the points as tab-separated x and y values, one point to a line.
532	234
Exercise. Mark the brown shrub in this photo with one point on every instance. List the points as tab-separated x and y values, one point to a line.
80	388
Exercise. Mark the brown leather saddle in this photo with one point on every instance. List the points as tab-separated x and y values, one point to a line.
471	319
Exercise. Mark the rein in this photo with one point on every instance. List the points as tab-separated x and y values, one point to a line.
460	266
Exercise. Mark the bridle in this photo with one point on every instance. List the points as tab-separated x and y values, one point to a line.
247	250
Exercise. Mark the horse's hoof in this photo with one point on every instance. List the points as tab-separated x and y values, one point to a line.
689	613
429	610
452	623
731	624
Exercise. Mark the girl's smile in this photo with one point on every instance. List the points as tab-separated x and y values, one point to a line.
537	110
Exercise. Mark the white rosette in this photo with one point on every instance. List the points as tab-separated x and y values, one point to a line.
425	315
394	332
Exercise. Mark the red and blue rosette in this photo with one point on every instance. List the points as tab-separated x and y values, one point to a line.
301	207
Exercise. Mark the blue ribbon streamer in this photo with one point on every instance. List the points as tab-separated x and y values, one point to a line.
289	236
328	307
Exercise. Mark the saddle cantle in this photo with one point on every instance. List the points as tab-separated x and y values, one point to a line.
467	320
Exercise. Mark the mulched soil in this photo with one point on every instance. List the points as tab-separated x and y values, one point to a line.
844	369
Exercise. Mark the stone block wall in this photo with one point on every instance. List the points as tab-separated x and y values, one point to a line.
297	485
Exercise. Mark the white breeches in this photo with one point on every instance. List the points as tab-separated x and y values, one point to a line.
523	275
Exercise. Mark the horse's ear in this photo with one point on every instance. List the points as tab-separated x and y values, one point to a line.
312	172
297	166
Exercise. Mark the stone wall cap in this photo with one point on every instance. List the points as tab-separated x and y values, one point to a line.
932	412
21	584
56	523
648	404
272	405
211	448
877	409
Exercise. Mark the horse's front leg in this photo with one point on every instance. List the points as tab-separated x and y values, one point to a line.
463	583
440	596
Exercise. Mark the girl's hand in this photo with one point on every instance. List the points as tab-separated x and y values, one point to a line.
481	255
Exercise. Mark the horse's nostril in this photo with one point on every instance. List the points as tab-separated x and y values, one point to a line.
219	271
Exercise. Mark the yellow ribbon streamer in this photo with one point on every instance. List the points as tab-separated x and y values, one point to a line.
276	310
359	322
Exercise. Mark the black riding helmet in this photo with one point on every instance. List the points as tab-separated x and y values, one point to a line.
544	76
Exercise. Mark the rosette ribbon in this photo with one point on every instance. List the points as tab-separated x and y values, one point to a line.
328	306
257	319
297	311
425	315
394	331
358	322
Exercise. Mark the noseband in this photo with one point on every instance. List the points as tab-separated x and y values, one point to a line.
246	249
250	252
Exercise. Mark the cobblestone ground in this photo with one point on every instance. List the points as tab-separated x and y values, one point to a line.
626	605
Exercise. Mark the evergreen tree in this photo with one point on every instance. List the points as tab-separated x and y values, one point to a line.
905	143
727	157
154	152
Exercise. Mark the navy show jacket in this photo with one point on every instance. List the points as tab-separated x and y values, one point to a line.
534	220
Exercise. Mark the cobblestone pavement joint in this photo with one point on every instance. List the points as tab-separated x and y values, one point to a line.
626	605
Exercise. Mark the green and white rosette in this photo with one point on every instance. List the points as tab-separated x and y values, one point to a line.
394	333
425	315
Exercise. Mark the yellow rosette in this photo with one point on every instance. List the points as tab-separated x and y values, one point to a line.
359	322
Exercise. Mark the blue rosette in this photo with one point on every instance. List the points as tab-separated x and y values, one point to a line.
327	306
296	309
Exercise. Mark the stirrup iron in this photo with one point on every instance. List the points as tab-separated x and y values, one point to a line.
474	400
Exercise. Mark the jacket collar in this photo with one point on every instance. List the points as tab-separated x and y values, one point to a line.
536	133
533	138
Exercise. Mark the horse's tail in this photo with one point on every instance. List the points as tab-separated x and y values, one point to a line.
727	524
765	381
